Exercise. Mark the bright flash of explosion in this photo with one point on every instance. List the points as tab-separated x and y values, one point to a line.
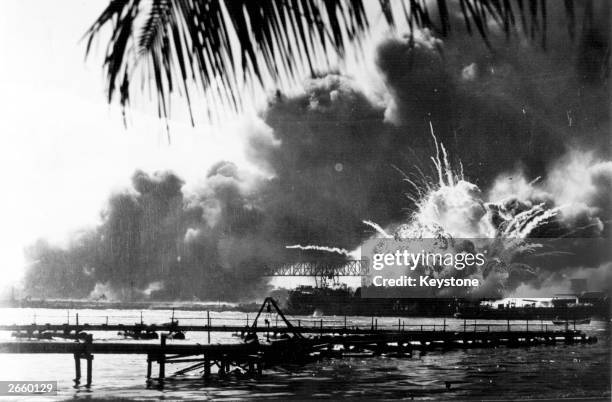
449	207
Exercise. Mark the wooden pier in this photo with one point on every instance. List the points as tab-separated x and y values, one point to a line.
315	327
281	345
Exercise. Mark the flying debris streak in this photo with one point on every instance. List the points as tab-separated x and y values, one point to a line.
336	250
378	229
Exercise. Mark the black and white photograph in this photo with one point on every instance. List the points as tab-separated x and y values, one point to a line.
244	200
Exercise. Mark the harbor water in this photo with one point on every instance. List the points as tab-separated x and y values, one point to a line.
553	372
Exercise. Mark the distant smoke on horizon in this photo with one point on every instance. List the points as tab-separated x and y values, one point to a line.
335	157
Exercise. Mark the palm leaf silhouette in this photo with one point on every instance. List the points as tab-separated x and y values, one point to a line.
218	45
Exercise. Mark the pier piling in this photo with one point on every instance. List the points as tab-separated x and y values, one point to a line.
292	346
207	364
89	360
162	357
208	324
77	369
149	363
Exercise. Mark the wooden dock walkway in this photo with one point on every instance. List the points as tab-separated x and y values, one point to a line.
288	344
316	327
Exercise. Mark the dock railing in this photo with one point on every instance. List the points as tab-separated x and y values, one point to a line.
212	321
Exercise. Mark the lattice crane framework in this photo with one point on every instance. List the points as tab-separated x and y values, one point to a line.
322	271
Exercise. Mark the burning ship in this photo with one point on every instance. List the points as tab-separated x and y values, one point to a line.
307	300
455	208
576	308
580	305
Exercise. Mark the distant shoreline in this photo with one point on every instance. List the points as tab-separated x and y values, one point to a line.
121	305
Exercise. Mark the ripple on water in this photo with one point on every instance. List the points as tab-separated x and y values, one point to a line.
576	371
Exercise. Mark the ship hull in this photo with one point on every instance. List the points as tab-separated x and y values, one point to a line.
527	313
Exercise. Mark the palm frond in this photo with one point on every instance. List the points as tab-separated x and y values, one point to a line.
219	45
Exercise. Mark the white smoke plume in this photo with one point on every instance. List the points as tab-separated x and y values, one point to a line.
333	156
336	250
572	201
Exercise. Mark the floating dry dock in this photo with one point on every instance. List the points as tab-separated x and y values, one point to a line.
282	344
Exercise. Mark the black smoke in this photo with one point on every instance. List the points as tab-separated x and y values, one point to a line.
333	156
519	103
198	247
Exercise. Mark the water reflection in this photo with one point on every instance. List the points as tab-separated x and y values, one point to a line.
559	371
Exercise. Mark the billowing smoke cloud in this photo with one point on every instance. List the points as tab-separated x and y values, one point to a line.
534	234
156	242
519	105
335	156
517	109
579	188
333	163
558	282
579	184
